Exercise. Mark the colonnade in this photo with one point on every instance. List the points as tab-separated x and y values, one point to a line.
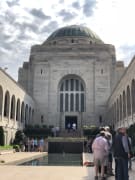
121	104
16	107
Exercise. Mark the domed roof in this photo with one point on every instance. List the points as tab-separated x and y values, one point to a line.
74	31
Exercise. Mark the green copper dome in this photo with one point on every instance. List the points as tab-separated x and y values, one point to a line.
74	31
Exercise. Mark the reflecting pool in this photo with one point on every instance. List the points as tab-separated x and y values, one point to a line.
59	159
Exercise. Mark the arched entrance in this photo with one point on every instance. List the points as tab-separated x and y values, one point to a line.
71	101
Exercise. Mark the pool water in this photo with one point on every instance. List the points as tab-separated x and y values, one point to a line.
63	159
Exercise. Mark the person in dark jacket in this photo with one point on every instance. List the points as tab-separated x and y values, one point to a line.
121	154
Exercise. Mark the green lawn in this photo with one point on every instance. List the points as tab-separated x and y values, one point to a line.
6	147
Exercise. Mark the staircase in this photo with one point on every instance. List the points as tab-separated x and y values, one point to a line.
71	133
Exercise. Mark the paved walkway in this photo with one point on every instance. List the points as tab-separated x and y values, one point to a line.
9	172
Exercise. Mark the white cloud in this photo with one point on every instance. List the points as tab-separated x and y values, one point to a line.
26	22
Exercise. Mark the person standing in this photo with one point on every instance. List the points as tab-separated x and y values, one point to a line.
35	144
68	127
110	155
130	160
100	150
57	130
32	144
41	145
74	126
121	154
89	145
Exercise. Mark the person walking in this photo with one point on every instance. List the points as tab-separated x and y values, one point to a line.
68	127
41	145
109	168
74	126
32	144
100	150
121	154
35	144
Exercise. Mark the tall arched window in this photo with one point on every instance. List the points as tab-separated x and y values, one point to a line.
120	107
29	114
115	119
18	110
113	116
22	112
6	104
124	104
128	101
1	99
26	114
12	112
72	95
32	118
133	95
117	109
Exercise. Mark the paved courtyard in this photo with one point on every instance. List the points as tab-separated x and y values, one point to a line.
13	172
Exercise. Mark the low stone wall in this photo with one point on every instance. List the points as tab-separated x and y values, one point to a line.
66	145
87	159
7	151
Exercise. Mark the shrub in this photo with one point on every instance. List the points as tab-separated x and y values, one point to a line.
90	131
19	137
37	132
36	126
29	126
6	147
16	147
44	126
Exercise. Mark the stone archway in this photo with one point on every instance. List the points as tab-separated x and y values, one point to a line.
72	94
6	104
72	100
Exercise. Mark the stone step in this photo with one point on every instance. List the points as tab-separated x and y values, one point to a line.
70	133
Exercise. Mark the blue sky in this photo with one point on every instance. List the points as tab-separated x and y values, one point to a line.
24	23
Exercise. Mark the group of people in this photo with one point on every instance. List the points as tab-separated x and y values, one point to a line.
34	144
105	148
55	131
71	126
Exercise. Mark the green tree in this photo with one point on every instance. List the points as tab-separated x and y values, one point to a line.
19	137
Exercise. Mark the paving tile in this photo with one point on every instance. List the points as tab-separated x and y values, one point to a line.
9	172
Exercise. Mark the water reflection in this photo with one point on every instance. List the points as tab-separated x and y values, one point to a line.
57	160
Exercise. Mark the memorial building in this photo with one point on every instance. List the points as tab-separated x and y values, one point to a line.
73	77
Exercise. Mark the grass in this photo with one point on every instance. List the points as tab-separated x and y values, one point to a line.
7	147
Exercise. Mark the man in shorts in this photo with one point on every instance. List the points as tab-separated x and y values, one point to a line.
100	150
